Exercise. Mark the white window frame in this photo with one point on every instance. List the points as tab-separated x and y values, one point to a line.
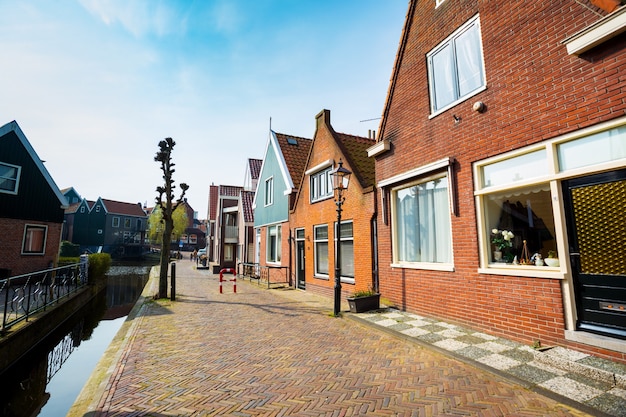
97	209
82	209
27	240
450	41
425	179
550	176
115	222
269	191
18	171
273	252
344	242
321	185
316	271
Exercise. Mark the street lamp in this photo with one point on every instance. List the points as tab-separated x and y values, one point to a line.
341	179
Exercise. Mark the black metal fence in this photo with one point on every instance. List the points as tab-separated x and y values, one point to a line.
266	274
24	295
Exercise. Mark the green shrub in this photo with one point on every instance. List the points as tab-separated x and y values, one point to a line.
99	264
68	249
68	260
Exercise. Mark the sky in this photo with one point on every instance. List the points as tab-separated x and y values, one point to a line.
96	84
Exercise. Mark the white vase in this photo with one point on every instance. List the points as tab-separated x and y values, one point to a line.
497	255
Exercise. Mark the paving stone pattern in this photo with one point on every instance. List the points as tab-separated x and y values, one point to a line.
263	352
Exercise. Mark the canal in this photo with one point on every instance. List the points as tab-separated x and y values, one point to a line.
46	381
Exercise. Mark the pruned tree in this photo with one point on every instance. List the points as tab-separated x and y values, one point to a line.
164	201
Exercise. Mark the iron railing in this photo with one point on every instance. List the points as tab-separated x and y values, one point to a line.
24	295
266	274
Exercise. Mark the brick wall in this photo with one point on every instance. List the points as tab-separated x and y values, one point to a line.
11	247
535	91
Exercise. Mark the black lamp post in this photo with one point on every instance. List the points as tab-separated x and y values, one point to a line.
341	179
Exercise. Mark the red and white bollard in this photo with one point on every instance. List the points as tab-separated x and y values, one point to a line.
234	280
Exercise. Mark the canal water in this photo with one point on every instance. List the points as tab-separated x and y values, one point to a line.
47	380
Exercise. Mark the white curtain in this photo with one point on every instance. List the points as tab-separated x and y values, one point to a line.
468	61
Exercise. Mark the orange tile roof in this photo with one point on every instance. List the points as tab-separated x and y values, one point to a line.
354	149
296	152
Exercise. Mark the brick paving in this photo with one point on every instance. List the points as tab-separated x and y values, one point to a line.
278	352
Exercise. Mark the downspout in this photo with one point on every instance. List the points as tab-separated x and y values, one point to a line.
374	238
290	240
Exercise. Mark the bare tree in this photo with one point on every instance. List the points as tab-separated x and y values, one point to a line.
164	156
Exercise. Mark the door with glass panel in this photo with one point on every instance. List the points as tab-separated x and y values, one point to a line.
300	277
596	223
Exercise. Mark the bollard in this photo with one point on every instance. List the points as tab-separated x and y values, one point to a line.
173	283
234	280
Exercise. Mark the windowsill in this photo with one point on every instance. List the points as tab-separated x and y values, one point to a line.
523	271
379	148
426	266
324	277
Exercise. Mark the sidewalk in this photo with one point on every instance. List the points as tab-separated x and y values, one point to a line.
279	352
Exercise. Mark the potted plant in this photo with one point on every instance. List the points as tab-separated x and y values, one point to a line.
502	241
552	259
364	300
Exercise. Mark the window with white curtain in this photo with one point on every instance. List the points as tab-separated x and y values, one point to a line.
273	243
321	185
455	67
421	222
347	251
320	234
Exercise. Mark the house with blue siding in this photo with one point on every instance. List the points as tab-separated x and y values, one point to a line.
281	173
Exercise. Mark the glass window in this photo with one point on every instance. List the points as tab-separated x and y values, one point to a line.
9	178
422	222
273	243
126	223
321	185
525	213
269	191
347	250
82	209
321	249
34	242
115	222
193	239
523	167
594	149
455	67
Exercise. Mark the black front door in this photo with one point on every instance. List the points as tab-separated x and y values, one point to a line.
595	208
300	264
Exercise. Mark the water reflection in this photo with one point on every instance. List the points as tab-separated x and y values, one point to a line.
27	386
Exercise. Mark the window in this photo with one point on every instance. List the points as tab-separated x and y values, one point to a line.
9	178
34	242
127	223
269	191
321	185
347	251
273	243
82	209
455	67
516	192
116	222
193	239
139	224
97	209
421	222
321	250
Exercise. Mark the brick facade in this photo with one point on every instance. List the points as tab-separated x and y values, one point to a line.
535	91
358	207
11	244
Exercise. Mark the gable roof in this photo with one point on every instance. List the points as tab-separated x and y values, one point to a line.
119	207
247	197
15	128
354	149
255	167
295	151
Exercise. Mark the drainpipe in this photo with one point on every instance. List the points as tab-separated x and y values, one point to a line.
374	237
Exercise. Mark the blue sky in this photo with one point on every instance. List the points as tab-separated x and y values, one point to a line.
96	84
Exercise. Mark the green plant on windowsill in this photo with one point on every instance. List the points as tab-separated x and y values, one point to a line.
552	259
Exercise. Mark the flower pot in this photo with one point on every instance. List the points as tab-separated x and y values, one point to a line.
363	304
554	262
497	256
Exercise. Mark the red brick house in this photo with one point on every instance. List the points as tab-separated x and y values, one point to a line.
508	118
31	207
314	215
